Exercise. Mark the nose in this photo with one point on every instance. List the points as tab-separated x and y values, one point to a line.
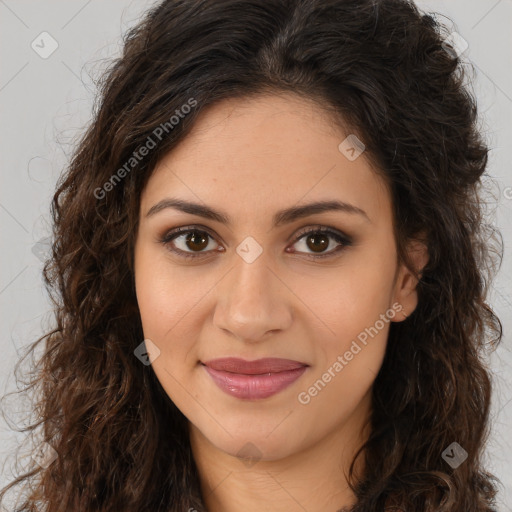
252	302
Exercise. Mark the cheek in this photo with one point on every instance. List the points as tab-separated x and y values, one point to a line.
166	304
163	313
350	348
171	303
162	301
349	298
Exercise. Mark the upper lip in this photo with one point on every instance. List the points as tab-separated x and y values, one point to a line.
256	367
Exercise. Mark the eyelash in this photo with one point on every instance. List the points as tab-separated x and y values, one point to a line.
339	237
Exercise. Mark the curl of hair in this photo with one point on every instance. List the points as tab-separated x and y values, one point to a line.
378	69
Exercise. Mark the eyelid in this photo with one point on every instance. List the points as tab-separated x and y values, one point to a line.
342	238
322	228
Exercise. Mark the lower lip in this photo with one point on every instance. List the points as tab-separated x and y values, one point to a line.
253	387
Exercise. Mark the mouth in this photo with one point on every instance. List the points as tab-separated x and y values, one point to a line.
253	380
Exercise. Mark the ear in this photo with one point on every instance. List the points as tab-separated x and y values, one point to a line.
405	290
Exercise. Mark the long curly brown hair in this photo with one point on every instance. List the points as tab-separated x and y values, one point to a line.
386	70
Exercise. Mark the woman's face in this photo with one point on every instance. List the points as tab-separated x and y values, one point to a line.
251	288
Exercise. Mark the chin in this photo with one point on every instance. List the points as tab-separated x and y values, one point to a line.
253	444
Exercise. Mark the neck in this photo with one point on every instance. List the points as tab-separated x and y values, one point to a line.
312	479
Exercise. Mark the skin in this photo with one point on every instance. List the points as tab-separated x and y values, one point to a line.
250	158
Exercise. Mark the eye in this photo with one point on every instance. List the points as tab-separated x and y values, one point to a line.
192	242
319	240
186	241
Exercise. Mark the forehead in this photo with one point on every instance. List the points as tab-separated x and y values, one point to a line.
260	154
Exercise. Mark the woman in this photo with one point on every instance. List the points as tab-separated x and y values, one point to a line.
269	267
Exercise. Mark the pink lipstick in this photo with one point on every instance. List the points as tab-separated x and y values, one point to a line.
252	380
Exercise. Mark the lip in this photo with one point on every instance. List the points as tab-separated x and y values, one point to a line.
253	380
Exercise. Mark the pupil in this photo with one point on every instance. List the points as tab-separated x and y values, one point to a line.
325	240
193	238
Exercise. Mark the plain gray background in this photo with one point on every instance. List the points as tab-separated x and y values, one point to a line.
46	102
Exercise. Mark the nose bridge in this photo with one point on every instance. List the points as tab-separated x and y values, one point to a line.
252	301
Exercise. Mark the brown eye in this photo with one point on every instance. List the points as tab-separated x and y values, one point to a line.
186	241
189	242
196	240
319	240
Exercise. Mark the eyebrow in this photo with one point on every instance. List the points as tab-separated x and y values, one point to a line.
282	217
